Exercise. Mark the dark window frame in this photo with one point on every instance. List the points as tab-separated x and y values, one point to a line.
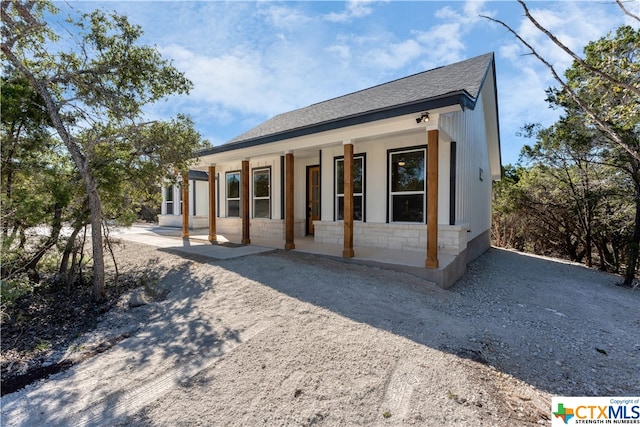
168	200
226	193
337	195
391	194
253	191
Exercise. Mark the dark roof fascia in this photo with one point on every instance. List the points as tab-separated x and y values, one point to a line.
198	175
495	94
462	98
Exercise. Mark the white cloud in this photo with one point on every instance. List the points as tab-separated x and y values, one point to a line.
523	79
443	45
511	51
440	44
238	81
285	17
574	24
342	52
395	55
354	9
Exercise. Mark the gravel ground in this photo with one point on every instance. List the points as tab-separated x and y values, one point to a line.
285	338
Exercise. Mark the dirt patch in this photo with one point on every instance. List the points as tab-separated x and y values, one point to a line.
285	338
41	326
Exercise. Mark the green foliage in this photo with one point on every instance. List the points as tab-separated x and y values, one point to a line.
130	162
618	55
579	196
11	290
111	74
108	160
36	181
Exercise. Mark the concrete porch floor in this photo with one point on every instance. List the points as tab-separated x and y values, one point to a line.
411	262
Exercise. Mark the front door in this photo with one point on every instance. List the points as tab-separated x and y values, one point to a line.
313	197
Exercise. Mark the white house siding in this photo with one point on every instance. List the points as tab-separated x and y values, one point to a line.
375	231
201	204
376	178
473	195
263	227
198	200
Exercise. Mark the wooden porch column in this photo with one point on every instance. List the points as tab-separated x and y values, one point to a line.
212	204
244	195
288	202
185	204
347	252
432	199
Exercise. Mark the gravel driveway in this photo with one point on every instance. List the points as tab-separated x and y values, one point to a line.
285	338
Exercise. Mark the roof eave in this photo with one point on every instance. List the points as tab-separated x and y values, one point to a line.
461	98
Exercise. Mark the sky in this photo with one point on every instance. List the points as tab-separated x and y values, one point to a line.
250	61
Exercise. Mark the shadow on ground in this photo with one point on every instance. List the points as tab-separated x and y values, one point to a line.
560	327
158	338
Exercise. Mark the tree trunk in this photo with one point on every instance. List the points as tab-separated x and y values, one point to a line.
31	266
634	244
63	272
95	205
81	161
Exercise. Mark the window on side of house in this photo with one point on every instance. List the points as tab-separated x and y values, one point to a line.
233	194
262	193
407	195
168	200
358	187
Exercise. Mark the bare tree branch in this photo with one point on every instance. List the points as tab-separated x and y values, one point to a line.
25	12
636	17
577	58
615	137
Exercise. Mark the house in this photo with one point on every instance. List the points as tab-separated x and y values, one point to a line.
406	165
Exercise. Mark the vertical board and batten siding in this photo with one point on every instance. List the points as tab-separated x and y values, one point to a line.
201	191
376	174
198	206
260	227
272	162
473	196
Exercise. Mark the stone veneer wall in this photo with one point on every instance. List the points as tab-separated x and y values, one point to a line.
258	227
261	228
452	239
267	228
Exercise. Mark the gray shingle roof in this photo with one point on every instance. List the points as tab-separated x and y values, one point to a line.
458	83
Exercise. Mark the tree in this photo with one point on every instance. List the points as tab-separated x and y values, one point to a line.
603	89
93	94
35	180
509	218
24	122
617	56
629	90
582	187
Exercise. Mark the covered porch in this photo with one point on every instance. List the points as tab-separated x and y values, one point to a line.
231	246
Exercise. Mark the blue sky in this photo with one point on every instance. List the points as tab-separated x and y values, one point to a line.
252	60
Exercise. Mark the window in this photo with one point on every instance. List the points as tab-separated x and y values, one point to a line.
358	188
262	193
407	201
168	200
233	194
